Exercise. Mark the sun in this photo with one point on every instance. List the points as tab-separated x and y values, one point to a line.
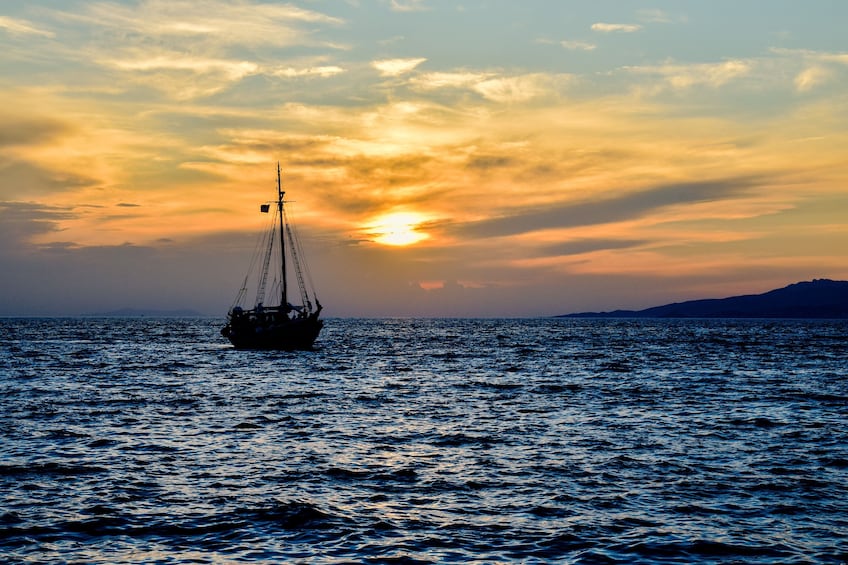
398	228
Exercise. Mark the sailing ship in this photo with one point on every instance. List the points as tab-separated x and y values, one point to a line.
283	326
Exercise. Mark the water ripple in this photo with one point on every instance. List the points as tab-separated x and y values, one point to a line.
425	441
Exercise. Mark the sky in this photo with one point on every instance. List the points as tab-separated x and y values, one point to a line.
443	158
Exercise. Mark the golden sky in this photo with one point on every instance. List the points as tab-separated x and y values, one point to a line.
471	159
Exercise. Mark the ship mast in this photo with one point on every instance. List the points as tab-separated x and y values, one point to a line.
284	303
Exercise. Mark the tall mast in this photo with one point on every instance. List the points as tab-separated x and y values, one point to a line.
284	303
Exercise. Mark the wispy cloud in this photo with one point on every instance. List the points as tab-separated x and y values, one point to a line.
514	89
582	246
25	180
232	69
216	21
494	87
189	50
27	130
185	77
22	27
680	76
456	79
812	77
818	67
19	221
841	58
408	5
396	67
611	28
654	16
323	71
576	45
571	44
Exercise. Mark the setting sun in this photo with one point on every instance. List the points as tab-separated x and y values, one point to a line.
399	228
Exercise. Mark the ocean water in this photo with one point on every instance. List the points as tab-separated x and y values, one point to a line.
425	441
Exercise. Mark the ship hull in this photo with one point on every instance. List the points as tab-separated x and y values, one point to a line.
289	335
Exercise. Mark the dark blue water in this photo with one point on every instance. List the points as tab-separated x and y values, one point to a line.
425	441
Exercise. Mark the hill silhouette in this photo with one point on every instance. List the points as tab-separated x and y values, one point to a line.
819	298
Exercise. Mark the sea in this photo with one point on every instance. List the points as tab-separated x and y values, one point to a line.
556	440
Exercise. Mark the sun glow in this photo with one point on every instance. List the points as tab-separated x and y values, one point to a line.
398	229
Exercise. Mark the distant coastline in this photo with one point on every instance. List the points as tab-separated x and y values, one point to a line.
817	299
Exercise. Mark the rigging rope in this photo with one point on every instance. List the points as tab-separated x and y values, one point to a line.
302	264
263	277
260	244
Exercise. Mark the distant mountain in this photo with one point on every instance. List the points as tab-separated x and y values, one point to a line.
137	313
819	298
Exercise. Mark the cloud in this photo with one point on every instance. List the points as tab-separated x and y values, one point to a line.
190	49
216	21
570	44
232	70
460	79
841	58
812	77
610	28
817	68
582	246
396	67
514	89
576	45
20	221
627	207
501	89
22	179
185	77
489	162
408	5
322	71
654	16
22	27
680	76
20	130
